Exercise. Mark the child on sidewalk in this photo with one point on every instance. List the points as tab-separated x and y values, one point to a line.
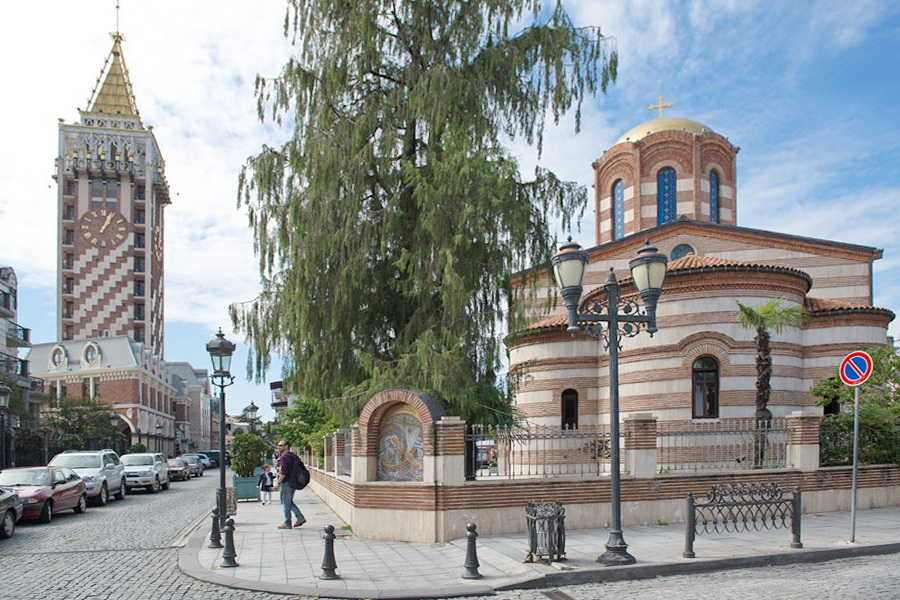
264	484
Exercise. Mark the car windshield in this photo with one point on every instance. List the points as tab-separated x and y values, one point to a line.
176	463
25	477
76	461
192	459
133	461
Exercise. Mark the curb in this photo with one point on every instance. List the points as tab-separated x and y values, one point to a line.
653	570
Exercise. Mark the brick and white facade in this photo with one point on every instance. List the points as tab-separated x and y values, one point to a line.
720	263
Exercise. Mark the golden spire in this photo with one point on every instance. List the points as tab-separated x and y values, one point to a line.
660	106
112	94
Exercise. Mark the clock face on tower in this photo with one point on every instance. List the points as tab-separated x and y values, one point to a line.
103	228
157	243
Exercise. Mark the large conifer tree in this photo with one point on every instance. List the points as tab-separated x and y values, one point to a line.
388	225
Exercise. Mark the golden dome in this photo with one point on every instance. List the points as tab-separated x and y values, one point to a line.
662	124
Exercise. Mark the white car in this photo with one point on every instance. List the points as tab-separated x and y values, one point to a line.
207	463
100	470
148	470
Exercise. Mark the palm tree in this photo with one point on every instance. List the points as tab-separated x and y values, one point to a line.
775	316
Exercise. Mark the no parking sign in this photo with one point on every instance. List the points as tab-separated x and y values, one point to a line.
856	368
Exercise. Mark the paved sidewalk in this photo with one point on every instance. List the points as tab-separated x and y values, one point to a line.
289	561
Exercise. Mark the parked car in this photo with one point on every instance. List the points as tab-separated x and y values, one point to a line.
101	470
147	470
45	491
11	510
213	456
195	466
178	470
207	463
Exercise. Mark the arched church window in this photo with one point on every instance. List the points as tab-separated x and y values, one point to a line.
713	197
665	196
681	250
570	409
705	376
618	209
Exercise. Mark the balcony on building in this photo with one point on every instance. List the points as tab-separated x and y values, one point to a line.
18	336
68	262
13	365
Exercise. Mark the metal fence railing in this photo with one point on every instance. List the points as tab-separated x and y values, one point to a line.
729	445
536	451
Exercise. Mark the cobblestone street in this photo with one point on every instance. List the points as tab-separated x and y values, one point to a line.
127	550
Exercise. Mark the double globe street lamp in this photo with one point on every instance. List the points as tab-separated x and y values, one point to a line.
220	351
648	271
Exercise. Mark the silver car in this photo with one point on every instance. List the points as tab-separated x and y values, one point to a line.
148	470
101	471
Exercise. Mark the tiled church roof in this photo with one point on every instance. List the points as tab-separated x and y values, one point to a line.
692	262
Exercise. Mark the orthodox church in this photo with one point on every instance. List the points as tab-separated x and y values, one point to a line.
673	181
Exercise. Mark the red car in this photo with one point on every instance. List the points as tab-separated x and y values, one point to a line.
46	490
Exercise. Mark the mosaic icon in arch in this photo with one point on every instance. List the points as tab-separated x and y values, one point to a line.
400	448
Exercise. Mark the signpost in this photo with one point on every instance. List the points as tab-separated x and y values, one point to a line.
855	370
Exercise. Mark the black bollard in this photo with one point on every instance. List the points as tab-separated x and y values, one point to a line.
215	537
328	563
228	555
471	565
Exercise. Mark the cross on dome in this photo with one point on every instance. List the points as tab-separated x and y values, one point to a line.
660	106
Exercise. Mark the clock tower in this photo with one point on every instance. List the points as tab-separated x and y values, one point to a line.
111	194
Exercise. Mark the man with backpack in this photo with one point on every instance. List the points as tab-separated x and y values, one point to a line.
289	468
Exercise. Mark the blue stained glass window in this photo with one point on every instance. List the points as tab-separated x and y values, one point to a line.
618	210
665	196
713	197
681	250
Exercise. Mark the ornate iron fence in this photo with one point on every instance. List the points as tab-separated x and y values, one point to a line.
734	444
536	451
734	508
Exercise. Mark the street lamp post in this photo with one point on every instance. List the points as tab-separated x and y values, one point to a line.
648	271
251	411
5	394
220	351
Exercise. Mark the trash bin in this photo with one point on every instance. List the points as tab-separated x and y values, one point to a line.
546	531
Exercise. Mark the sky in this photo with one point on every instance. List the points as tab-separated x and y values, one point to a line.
810	91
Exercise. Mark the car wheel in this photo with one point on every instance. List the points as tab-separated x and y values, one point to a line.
102	498
155	487
120	494
8	527
46	512
82	505
165	486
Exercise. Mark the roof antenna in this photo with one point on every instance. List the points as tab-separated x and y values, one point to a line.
117	17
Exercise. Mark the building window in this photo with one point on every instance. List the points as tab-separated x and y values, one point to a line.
69	285
138	264
69	188
68	237
139	288
139	334
140	217
569	409
68	332
665	196
68	213
69	261
139	192
705	377
138	312
618	209
681	250
139	240
713	197
68	309
96	188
